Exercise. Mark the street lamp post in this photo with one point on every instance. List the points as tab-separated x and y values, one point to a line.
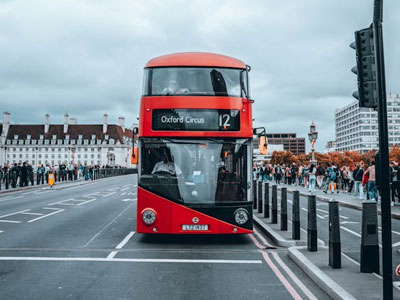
312	137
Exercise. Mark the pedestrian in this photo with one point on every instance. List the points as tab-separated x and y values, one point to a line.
312	178
357	175
371	186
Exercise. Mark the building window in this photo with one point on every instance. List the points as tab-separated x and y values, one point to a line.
80	137
54	137
41	137
46	142
106	137
16	137
67	136
28	136
93	136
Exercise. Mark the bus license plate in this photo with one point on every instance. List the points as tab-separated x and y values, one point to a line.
195	227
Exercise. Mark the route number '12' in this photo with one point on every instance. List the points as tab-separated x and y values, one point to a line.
224	121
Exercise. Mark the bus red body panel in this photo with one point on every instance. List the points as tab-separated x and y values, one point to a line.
196	59
170	217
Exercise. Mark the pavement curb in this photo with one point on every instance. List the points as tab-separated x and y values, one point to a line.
273	235
344	204
320	278
278	239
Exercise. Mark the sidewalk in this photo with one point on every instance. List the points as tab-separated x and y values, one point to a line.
345	283
344	199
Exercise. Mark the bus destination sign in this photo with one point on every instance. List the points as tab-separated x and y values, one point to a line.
196	119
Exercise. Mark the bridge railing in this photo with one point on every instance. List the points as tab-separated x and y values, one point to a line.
13	179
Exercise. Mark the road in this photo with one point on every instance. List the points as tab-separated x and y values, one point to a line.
350	220
79	242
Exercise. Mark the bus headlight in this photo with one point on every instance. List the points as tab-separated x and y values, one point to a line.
241	216
148	216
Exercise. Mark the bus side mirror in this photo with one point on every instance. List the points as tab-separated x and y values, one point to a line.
134	156
262	145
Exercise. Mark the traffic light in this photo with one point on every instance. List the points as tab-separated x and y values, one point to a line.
366	68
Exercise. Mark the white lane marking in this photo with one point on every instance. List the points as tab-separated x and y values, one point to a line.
106	195
7	197
82	203
322	210
9	221
16	213
112	254
305	290
1	231
60	202
350	259
125	189
45	216
344	217
125	240
89	195
128	199
31	213
349	222
305	209
396	244
138	260
351	231
105	227
321	217
51	208
123	194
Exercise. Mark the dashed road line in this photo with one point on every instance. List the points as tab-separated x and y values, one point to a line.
106	195
16	213
351	231
31	213
45	216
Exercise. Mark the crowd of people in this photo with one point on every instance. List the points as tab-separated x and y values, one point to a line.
20	175
358	180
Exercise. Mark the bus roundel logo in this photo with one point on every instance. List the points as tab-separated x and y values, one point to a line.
398	270
195	220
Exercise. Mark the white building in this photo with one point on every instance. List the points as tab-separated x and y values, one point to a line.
259	159
357	128
53	144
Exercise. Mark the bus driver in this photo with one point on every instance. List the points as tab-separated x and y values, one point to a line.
166	166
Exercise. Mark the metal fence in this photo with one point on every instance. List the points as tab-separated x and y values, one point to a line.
13	179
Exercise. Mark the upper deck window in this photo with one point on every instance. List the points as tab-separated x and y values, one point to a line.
184	81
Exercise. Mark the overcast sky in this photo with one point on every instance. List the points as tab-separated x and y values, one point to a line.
87	57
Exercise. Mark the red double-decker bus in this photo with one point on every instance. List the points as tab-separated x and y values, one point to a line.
195	146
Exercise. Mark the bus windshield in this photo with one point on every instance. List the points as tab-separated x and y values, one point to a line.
196	171
184	81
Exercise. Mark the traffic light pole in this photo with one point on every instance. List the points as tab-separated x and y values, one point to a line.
383	153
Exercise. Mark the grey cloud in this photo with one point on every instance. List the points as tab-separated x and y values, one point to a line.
86	57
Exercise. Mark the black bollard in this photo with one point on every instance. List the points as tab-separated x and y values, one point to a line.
274	206
312	239
296	216
266	200
254	194
260	195
369	260
284	208
335	260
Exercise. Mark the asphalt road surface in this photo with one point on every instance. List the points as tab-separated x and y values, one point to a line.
79	242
